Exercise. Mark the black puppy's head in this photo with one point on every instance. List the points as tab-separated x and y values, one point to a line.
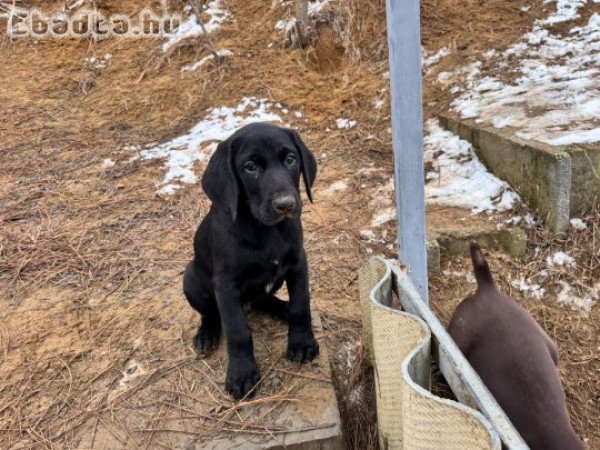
261	165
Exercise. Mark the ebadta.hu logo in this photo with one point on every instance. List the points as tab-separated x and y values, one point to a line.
89	24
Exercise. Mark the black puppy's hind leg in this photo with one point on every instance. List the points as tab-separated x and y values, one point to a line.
270	304
202	300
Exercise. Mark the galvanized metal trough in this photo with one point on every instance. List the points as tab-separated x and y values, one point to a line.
399	345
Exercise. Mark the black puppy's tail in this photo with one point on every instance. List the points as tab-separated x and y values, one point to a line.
480	266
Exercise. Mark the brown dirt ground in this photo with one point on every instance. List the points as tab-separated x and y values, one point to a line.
91	259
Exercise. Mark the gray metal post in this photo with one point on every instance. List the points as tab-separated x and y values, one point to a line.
404	40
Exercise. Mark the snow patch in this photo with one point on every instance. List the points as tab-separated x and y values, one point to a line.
515	220
281	24
180	154
108	163
131	372
378	104
444	77
530	290
98	62
367	235
338	186
384	216
190	28
560	259
555	96
356	395
317	6
578	224
224	53
528	220
568	296
436	57
582	137
469	276
458	177
345	124
565	10
347	358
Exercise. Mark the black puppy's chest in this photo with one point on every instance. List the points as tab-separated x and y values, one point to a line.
266	267
268	279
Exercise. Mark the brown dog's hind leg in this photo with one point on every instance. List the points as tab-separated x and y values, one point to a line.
552	348
461	327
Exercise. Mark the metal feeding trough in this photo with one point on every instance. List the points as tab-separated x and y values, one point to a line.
399	345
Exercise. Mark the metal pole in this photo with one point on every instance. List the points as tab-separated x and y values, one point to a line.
404	41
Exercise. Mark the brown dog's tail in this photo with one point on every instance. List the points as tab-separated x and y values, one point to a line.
480	266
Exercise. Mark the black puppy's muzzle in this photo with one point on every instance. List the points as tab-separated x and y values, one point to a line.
280	207
284	206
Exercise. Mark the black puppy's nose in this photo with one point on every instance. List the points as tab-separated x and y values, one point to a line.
284	204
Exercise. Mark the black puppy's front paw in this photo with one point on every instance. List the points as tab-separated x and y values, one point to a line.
208	337
302	346
242	376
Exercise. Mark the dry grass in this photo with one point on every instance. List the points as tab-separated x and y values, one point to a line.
355	385
90	258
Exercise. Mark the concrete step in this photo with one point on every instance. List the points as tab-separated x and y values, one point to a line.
561	182
186	408
450	229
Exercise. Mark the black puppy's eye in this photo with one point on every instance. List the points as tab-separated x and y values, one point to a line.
291	159
250	167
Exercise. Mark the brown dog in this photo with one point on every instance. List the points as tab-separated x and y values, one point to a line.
516	360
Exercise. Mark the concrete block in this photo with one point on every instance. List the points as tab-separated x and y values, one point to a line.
514	240
456	243
433	256
295	406
585	177
315	413
449	231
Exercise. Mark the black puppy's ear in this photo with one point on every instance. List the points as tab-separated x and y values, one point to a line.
219	180
308	166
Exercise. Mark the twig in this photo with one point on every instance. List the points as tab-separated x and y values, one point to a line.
238	430
301	375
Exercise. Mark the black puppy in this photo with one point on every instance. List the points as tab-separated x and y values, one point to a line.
516	360
249	243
